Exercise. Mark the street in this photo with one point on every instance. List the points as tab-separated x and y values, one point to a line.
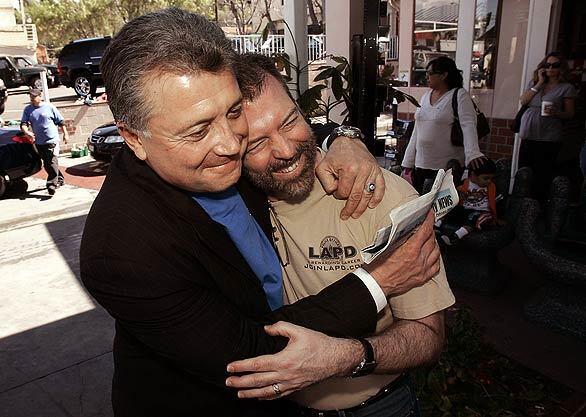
56	345
18	98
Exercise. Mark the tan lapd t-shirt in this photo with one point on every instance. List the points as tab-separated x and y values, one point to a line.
319	249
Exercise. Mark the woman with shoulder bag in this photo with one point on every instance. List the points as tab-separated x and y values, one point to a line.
431	145
550	100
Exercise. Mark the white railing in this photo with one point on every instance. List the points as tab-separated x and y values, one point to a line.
19	35
316	45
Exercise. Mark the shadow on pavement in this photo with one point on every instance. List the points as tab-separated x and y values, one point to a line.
20	195
89	169
71	99
60	369
63	368
66	235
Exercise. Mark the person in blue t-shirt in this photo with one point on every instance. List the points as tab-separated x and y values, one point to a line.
39	121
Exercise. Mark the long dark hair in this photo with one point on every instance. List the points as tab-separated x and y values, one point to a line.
446	64
564	69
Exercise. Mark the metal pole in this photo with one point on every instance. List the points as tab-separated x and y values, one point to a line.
45	86
367	101
22	15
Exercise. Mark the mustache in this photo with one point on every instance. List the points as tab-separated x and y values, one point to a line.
301	149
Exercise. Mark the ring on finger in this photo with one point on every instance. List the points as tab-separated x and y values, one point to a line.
370	187
277	390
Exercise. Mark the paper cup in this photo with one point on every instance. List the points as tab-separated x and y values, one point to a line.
546	107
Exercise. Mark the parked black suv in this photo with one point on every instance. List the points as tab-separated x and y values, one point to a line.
79	65
15	75
26	62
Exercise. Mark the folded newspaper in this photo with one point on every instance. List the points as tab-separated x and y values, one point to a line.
442	197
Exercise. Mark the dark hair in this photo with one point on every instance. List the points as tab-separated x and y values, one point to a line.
487	166
446	64
564	68
169	41
252	70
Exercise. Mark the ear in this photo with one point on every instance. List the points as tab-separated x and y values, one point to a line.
133	141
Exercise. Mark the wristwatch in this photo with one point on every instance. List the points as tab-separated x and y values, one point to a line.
368	364
343	130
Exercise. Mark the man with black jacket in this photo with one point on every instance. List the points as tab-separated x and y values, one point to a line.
159	253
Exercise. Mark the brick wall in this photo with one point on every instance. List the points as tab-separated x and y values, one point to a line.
81	120
497	145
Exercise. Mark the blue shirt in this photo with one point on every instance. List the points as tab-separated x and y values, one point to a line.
44	120
228	209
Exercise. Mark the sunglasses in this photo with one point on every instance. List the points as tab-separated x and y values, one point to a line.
430	72
554	65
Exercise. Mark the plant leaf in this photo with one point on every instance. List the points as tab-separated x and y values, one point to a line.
326	73
310	99
337	85
339	59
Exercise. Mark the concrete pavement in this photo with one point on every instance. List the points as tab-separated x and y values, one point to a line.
55	341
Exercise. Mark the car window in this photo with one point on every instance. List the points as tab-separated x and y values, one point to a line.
69	50
4	64
97	47
22	62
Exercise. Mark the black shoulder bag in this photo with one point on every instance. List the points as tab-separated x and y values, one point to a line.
482	127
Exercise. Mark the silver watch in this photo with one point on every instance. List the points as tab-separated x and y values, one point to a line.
343	130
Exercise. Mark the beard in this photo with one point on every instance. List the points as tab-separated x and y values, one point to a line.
293	189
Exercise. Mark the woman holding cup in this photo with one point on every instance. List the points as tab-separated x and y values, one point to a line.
550	100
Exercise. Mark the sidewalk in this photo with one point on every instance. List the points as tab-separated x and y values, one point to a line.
55	342
37	206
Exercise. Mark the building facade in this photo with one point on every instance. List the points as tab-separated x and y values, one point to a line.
497	44
15	39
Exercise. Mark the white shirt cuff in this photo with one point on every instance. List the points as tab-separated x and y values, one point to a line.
375	290
324	144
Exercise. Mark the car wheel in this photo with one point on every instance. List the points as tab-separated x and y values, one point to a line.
2	185
18	187
83	85
36	83
100	157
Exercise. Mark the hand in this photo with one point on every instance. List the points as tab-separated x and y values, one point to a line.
309	357
411	265
477	162
346	170
407	175
541	77
551	111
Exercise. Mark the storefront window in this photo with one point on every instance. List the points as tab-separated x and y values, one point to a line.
484	50
435	33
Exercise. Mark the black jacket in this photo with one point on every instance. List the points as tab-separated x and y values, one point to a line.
185	301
